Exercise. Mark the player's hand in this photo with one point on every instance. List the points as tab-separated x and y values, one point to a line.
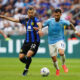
40	33
77	33
7	39
35	28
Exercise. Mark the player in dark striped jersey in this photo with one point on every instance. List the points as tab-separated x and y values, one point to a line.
32	39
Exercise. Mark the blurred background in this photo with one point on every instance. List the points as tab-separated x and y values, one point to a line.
10	66
44	9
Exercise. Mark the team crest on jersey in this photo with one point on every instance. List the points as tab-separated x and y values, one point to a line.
64	26
32	23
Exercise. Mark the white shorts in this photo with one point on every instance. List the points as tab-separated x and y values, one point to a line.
53	48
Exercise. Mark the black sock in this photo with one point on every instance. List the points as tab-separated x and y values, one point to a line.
28	62
24	59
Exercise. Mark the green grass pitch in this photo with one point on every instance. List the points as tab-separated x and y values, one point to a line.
12	68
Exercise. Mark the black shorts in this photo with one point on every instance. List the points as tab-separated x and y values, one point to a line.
29	46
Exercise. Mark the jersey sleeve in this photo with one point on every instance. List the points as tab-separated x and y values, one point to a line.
22	21
66	22
45	30
37	20
46	23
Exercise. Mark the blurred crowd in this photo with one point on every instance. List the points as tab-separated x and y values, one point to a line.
44	10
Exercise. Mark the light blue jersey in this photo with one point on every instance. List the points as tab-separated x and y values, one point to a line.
55	29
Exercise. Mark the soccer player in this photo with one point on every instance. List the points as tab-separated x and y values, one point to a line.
32	39
4	35
55	31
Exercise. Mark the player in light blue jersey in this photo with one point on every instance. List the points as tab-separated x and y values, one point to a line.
55	31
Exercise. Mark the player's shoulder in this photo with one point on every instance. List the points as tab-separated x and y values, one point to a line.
24	19
65	22
62	19
36	18
50	19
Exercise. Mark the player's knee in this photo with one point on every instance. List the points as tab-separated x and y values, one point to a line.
21	56
61	52
54	58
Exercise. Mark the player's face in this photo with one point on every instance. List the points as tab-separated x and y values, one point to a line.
57	16
31	13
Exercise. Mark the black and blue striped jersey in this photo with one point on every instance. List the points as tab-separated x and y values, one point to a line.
31	34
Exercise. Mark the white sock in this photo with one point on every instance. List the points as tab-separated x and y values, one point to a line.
56	65
63	59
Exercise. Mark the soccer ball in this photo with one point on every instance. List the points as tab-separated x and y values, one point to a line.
44	71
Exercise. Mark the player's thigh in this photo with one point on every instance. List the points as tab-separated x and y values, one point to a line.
61	47
30	53
33	49
52	50
25	48
61	52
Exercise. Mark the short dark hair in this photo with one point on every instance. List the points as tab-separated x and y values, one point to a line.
30	8
58	10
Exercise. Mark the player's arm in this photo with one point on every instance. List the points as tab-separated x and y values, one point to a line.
44	31
71	25
40	29
9	18
78	34
2	33
39	25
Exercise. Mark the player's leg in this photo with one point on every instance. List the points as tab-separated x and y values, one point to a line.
61	52
53	54
22	56
61	49
28	62
24	59
32	51
55	62
62	55
23	52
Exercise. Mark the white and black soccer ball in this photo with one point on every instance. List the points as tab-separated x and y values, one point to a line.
44	71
